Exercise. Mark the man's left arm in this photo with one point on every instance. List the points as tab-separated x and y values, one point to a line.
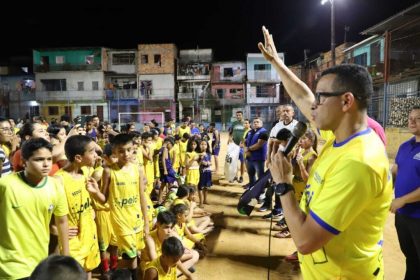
400	202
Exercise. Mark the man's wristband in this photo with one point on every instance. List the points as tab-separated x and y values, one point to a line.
283	188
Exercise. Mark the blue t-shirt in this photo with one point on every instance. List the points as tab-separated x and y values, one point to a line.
408	176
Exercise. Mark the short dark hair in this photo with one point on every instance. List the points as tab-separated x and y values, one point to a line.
169	139
121	139
33	145
415	107
166	218
179	209
173	247
353	78
239	112
182	191
283	134
146	135
57	267
76	145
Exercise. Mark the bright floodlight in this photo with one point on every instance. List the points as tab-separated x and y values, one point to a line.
323	2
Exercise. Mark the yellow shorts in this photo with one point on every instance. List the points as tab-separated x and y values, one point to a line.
130	244
105	231
92	260
193	177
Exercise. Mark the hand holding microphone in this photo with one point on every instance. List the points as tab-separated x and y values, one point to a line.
280	167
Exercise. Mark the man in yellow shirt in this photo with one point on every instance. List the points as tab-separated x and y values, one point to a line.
28	199
338	228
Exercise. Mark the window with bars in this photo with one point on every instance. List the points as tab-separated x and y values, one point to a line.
123	58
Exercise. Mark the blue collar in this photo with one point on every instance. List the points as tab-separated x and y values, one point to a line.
363	132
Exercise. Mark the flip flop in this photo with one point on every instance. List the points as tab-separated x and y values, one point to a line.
282	234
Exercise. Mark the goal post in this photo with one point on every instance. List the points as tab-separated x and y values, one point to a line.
140	118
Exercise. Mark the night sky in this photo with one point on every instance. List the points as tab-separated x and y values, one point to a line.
230	27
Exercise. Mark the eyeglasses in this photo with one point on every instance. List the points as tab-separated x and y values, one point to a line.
6	129
326	95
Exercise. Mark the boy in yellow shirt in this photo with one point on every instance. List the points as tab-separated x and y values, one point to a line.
123	186
80	189
164	267
28	199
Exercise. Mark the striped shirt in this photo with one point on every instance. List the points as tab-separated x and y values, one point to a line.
6	168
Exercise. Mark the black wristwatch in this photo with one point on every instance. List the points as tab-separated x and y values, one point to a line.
283	188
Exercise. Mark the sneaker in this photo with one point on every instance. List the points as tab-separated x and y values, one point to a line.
263	208
268	216
240	180
235	179
277	213
191	269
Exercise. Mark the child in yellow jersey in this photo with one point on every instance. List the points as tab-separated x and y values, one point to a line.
174	154
80	189
148	161
156	146
164	229
199	224
192	158
183	143
103	218
164	267
123	187
181	212
139	161
28	199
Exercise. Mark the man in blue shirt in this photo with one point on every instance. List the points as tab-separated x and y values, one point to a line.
406	204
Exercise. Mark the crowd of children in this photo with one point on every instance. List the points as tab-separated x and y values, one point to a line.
119	198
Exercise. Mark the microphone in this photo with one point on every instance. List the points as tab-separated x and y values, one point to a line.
297	132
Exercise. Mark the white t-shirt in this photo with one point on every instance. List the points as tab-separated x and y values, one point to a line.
281	125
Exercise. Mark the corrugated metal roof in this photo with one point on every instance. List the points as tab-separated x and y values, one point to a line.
410	14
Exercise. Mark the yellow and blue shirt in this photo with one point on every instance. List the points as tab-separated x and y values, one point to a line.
348	193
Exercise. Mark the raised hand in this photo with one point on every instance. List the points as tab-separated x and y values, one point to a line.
268	49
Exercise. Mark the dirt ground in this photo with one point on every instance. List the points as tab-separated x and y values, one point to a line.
239	246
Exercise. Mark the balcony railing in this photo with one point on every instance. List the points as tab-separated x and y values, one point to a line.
21	96
67	67
262	75
72	95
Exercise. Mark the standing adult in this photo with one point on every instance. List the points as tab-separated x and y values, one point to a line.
256	150
236	133
287	121
338	228
406	204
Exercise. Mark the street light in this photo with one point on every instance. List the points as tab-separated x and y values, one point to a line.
332	29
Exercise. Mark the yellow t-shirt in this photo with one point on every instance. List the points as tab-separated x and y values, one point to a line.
145	258
348	193
162	275
25	214
175	156
80	215
182	131
124	200
157	146
149	172
182	152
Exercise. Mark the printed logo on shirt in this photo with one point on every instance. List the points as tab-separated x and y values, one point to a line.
50	208
126	201
417	156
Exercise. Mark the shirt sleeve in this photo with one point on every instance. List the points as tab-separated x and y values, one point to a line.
61	207
263	136
348	189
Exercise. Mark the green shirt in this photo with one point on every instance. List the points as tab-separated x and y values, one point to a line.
237	131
